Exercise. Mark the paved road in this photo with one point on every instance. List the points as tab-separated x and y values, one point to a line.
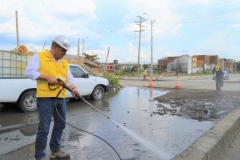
227	142
186	82
199	82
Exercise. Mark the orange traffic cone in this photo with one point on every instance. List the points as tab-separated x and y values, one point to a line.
177	84
150	82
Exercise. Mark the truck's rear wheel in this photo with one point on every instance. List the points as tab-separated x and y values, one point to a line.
98	93
27	102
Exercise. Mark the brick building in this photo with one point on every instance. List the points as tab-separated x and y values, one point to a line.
162	63
206	60
201	62
227	64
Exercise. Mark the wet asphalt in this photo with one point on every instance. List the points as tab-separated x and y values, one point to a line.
130	107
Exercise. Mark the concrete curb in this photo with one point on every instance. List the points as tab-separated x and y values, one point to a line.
215	142
166	79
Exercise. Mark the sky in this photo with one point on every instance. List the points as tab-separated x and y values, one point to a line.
179	27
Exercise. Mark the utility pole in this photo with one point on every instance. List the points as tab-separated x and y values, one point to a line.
83	46
151	50
17	33
151	45
78	45
43	46
107	54
140	30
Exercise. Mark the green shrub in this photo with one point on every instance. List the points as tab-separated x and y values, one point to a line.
113	80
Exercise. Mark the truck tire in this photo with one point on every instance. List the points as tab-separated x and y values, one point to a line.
98	93
27	101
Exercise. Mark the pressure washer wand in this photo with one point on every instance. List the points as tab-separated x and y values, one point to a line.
65	86
95	108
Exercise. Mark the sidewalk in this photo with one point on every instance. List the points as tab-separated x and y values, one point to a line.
222	141
233	152
186	82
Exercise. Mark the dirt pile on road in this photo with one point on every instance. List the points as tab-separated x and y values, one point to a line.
198	104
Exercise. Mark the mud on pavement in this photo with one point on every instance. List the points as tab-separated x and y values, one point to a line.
198	104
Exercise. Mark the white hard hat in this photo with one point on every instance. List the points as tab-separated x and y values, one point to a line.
62	41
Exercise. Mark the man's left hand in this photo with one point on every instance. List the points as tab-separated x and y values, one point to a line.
75	91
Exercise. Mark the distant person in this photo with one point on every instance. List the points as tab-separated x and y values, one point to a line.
164	73
177	72
219	78
45	67
144	74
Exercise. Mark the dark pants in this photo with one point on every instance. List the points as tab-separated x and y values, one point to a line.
144	77
47	110
219	83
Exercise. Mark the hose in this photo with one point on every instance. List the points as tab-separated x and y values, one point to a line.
79	128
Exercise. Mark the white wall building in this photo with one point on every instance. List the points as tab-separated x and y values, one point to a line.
183	63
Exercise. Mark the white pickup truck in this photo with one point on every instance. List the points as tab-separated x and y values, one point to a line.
22	91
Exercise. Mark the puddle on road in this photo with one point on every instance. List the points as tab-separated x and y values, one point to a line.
133	108
10	115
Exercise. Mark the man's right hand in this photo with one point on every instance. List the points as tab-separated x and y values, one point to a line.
49	79
52	80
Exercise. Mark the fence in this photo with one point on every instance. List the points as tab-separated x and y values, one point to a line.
13	64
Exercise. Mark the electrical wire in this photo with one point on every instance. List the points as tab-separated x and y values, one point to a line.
103	21
79	128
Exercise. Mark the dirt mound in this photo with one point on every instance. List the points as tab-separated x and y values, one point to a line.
197	95
198	104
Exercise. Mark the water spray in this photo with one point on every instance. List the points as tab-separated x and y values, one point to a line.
146	143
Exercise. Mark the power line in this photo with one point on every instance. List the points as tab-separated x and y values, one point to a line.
190	10
62	15
139	43
110	21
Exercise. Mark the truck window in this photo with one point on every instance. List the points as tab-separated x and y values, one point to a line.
77	72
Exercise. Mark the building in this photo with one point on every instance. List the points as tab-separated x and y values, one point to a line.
227	64
196	63
204	62
162	63
180	64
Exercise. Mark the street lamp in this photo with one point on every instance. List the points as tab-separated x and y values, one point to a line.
83	44
78	45
151	45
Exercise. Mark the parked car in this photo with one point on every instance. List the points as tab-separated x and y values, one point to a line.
225	76
22	91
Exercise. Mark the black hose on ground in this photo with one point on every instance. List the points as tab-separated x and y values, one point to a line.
82	129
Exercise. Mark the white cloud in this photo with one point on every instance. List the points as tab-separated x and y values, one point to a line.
41	20
169	54
236	26
75	7
131	49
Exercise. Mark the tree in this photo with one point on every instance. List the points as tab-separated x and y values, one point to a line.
237	63
145	66
127	69
92	58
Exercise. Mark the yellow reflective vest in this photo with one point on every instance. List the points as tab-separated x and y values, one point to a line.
145	72
48	66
